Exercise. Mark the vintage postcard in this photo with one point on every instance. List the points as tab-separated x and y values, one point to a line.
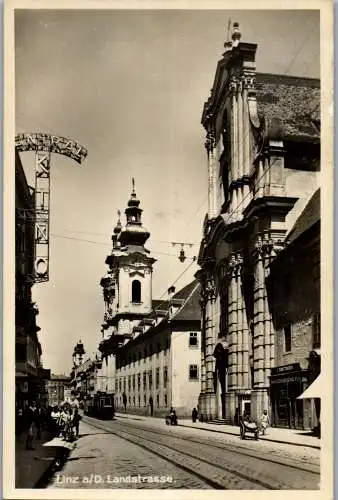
168	256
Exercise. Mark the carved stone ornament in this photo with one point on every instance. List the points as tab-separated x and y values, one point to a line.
210	142
235	265
233	85
249	81
268	247
210	288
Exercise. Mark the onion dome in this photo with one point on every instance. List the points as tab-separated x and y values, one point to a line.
79	348
133	233
117	229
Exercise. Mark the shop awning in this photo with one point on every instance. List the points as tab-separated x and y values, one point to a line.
313	391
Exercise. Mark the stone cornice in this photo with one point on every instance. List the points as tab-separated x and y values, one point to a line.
270	204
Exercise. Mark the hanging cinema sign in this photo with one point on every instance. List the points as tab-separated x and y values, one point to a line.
52	143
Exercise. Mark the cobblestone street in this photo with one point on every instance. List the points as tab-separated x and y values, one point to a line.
138	454
107	456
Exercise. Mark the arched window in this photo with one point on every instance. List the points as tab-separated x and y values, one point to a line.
136	291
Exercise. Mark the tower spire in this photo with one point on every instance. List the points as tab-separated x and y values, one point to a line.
134	233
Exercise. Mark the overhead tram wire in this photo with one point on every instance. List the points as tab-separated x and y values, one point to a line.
176	280
107	244
298	51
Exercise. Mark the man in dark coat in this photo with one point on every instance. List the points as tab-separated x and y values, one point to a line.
30	421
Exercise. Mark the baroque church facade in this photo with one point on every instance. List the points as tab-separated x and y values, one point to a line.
263	152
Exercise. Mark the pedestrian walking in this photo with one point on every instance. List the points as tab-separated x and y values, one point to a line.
265	422
76	421
151	404
194	415
30	420
38	421
124	398
19	421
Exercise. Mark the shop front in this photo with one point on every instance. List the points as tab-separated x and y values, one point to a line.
286	384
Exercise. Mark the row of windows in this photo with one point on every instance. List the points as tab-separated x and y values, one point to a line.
147	352
137	401
132	382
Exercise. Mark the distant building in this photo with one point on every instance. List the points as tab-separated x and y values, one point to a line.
30	376
58	388
263	154
84	378
150	349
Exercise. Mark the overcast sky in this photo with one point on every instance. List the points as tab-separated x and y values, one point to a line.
130	87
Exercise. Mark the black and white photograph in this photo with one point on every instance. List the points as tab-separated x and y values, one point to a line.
168	205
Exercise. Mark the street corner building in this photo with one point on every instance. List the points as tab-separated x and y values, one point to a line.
30	376
150	349
260	253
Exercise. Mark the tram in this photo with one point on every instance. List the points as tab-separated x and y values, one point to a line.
100	406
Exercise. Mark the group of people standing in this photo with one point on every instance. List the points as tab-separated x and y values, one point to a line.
65	421
32	418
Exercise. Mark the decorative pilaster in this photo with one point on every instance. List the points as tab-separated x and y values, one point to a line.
239	307
248	81
263	342
210	146
232	323
234	128
240	121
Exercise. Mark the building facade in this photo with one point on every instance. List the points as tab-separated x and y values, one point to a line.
294	294
58	388
30	376
150	349
263	151
160	366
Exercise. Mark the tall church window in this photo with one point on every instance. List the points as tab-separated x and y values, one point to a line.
136	291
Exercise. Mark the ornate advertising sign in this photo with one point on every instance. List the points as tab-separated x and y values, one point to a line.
43	145
52	144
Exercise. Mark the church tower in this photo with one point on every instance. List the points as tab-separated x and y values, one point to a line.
128	284
78	354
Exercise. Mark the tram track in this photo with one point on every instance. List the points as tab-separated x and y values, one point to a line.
310	467
219	471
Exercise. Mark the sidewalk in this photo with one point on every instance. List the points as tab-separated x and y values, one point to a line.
286	436
32	465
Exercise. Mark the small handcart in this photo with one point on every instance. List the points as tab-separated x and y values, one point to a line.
248	428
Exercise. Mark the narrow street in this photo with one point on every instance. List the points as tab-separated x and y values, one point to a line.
138	454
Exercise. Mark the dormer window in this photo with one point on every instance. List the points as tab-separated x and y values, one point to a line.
136	291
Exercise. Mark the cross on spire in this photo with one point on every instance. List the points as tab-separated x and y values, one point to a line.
133	183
